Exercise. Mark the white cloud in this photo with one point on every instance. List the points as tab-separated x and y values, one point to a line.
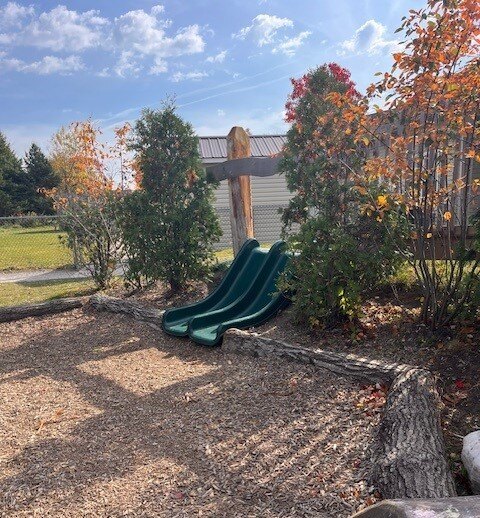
221	113
47	65
218	58
144	33
368	39
127	65
159	66
63	30
290	45
134	37
263	29
12	15
184	76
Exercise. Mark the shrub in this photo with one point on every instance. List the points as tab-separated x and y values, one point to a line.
93	234
86	201
169	226
342	252
427	142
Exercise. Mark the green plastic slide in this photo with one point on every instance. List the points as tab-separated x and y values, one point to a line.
246	297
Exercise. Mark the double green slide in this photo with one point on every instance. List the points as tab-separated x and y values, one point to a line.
246	297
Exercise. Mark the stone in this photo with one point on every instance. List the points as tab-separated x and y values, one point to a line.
471	459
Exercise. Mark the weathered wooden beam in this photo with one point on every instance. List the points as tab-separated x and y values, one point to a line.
252	166
11	313
240	193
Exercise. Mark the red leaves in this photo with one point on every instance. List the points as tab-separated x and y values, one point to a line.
372	398
343	76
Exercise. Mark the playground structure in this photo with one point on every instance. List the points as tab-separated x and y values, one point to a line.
247	296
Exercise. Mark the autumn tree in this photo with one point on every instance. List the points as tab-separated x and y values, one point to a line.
169	223
425	148
342	253
87	200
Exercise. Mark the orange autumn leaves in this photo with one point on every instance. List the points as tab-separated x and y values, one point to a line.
429	121
82	161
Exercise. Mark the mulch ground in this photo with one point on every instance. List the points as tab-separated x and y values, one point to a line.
104	416
388	329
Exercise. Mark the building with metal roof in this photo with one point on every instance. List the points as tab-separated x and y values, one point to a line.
213	150
269	194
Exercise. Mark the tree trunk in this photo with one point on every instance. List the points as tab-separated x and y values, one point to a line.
11	313
410	459
362	369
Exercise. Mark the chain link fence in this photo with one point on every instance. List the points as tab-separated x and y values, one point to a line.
267	224
33	242
37	242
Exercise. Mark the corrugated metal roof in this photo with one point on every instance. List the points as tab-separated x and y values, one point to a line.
215	148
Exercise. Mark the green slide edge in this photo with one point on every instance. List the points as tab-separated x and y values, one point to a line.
204	307
189	311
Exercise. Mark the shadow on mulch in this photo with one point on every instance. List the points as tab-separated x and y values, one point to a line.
129	427
389	330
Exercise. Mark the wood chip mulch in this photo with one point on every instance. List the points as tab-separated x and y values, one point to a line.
101	415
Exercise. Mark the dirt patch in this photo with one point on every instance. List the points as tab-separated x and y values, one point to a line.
104	416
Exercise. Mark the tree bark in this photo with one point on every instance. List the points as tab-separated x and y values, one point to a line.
362	369
126	307
11	313
240	194
458	507
409	458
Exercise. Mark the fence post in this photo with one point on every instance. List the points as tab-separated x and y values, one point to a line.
240	193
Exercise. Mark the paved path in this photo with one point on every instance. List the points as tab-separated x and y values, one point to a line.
46	275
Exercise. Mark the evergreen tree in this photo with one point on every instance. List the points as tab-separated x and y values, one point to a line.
11	175
40	177
170	225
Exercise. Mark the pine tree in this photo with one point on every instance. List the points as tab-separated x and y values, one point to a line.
11	177
40	177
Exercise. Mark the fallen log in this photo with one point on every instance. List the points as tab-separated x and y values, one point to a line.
356	367
127	307
460	506
11	313
410	459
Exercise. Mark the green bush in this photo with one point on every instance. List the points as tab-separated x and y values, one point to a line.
333	267
344	244
169	226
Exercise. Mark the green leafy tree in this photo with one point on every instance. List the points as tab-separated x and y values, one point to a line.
341	252
169	224
40	178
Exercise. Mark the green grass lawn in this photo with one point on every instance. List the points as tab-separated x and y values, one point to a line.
12	293
32	248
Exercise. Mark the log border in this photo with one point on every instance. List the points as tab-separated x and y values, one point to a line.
50	307
136	310
409	459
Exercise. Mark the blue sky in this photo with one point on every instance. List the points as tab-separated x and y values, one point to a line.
227	63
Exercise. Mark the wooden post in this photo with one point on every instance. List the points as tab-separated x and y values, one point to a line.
240	193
